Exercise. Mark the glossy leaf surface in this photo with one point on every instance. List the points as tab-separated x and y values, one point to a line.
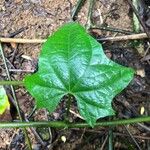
71	61
4	103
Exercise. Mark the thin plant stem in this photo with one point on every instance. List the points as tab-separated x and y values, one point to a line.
144	127
139	18
68	105
49	129
138	146
77	8
15	98
36	134
104	143
61	124
107	28
89	17
135	136
110	139
32	112
9	82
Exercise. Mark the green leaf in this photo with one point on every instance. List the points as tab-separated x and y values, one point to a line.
4	103
72	62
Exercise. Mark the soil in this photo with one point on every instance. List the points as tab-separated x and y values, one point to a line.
39	19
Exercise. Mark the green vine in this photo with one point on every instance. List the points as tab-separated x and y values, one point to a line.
59	124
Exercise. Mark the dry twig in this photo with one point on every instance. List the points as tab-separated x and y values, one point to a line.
34	41
124	37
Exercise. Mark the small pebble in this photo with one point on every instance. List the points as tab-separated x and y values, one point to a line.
26	57
36	147
141	72
63	138
142	110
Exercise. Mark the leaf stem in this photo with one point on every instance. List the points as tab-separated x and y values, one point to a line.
60	124
110	139
11	82
68	105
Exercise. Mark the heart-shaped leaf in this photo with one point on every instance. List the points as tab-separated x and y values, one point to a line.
4	103
72	62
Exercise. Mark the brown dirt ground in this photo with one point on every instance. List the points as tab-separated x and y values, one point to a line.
42	18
